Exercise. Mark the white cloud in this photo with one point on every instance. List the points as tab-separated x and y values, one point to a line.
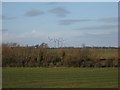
31	34
72	38
32	37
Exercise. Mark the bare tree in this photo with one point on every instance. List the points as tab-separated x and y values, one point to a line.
59	42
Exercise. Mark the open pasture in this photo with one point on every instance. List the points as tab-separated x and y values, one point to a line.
60	77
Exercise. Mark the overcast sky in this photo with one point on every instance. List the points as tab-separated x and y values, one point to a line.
90	23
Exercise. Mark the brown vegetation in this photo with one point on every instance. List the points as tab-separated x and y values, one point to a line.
14	55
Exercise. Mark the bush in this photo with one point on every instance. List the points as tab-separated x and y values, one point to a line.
19	56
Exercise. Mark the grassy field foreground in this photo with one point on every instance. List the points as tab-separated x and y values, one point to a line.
60	77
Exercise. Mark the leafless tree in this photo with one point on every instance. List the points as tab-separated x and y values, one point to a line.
59	42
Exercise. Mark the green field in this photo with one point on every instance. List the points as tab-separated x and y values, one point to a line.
60	77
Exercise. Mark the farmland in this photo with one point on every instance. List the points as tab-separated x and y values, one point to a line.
60	78
59	57
40	67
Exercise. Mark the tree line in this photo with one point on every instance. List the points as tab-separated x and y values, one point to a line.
14	55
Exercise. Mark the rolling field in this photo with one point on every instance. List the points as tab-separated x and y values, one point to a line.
60	77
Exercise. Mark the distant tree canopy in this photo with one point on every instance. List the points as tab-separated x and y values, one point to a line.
43	45
10	44
41	55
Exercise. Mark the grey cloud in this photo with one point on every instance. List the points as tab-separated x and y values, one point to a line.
72	21
52	3
34	13
102	27
109	20
60	11
3	29
7	18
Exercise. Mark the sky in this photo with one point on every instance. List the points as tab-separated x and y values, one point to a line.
72	23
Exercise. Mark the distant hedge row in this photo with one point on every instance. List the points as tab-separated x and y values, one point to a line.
63	57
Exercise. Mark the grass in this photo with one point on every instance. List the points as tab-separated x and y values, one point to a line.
99	52
60	77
